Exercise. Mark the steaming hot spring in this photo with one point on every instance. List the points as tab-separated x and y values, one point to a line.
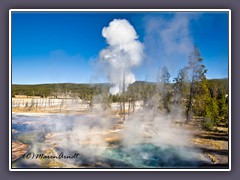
141	141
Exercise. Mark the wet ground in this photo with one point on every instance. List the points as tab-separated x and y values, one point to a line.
46	133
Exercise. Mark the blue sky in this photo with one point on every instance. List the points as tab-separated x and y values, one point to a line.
61	47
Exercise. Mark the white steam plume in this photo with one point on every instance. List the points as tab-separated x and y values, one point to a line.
168	42
124	53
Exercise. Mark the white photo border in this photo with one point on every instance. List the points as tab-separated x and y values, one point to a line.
116	10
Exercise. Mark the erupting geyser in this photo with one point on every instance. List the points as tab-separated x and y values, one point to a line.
124	53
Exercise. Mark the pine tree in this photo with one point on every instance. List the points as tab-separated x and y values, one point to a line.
164	89
197	88
180	87
223	107
202	98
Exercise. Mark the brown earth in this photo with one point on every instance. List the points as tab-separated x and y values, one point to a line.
18	150
213	143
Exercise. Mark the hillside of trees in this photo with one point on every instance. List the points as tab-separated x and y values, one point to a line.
141	89
83	91
216	107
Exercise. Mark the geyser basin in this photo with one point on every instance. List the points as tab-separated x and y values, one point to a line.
145	155
52	134
150	156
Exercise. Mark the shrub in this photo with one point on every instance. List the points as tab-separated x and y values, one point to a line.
208	123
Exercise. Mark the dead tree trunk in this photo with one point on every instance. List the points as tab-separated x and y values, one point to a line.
129	106
189	104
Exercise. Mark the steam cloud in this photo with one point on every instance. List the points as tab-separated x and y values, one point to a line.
124	53
168	42
86	135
